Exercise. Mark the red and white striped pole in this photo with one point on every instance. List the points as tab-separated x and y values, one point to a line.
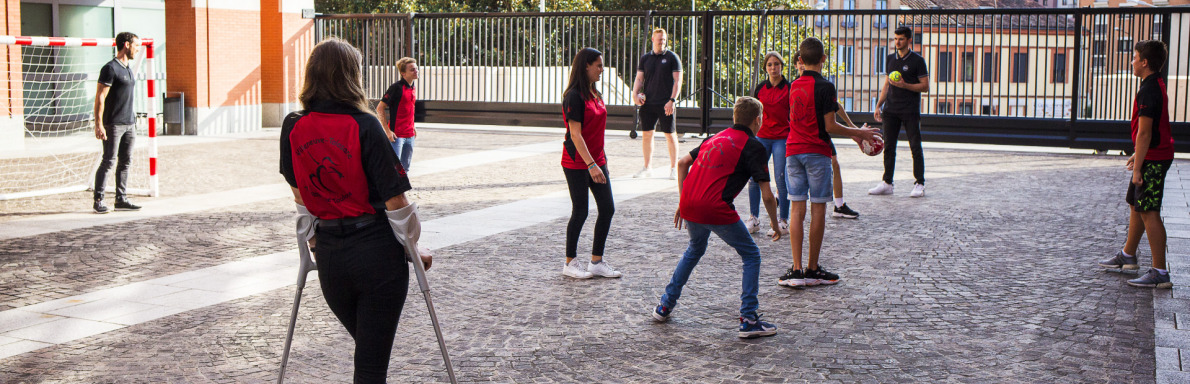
150	79
151	86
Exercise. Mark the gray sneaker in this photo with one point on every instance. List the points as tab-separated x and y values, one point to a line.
1152	279
1120	261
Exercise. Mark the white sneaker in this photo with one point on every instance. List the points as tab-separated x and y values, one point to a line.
603	269
780	224
575	269
919	190
882	189
644	172
753	224
673	173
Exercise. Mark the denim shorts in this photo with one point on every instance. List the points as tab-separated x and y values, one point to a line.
808	174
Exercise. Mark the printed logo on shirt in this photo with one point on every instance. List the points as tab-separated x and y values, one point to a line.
716	147
905	68
327	169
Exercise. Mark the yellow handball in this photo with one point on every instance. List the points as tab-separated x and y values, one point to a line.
895	76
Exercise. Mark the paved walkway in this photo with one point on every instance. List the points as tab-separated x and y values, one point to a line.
990	278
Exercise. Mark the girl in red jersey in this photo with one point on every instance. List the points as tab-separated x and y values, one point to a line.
774	94
585	164
336	158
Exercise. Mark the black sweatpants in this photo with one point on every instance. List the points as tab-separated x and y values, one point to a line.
364	279
892	130
579	181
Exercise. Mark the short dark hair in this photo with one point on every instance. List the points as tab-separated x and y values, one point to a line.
124	37
1154	52
904	31
811	51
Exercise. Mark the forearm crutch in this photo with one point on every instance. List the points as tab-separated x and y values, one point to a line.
305	231
407	228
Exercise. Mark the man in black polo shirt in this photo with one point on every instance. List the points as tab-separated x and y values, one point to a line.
900	105
115	122
659	73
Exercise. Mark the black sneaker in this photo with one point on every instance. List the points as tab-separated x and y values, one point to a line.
821	276
126	206
792	278
100	207
845	212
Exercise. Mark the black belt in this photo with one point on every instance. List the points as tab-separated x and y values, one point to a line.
349	223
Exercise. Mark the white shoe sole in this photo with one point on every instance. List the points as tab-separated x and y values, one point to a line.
792	282
843	215
580	277
1128	267
755	334
659	318
616	276
880	193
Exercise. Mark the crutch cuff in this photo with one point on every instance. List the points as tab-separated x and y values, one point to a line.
406	227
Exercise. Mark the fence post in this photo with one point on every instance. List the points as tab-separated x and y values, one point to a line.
707	51
1076	80
409	39
760	48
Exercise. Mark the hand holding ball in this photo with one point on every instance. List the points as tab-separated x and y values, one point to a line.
872	147
895	76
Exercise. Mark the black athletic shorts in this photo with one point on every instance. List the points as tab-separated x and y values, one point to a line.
1147	196
654	117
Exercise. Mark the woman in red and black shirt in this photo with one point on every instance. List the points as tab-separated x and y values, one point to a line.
774	94
337	160
585	164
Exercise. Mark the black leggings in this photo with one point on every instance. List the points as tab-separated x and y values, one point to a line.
579	181
364	279
892	131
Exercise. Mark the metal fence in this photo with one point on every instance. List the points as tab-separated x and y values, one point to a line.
1066	71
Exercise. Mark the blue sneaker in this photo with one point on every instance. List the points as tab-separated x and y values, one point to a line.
1152	279
753	328
1120	261
661	313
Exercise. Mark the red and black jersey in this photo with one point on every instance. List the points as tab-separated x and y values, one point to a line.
810	97
593	114
723	163
776	109
340	160
401	98
1152	101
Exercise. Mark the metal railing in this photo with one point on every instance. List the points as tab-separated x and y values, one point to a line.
1064	70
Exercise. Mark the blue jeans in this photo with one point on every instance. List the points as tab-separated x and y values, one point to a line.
809	173
776	149
736	235
403	147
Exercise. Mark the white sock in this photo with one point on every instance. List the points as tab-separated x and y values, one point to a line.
1126	254
839	202
1161	271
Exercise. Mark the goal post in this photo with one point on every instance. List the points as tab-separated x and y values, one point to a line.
47	96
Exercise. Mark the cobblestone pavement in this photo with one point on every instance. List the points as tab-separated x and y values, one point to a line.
989	278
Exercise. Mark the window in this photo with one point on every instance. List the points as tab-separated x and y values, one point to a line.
845	58
1157	27
916	36
823	21
1098	62
881	21
1125	44
1099	47
848	102
1020	67
987	110
968	66
849	20
942	108
966	108
991	67
878	60
1059	75
874	99
1100	24
945	66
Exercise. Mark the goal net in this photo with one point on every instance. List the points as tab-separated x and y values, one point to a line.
47	98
